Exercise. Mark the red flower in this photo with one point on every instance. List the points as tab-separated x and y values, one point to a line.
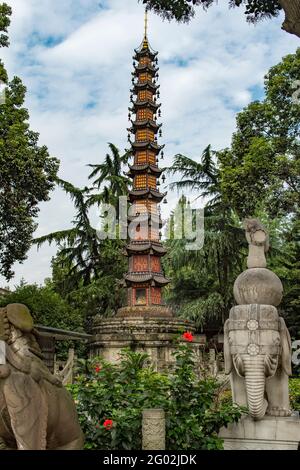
188	336
97	369
108	424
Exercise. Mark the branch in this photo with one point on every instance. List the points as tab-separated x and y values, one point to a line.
291	23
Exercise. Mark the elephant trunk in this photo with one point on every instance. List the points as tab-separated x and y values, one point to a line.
254	367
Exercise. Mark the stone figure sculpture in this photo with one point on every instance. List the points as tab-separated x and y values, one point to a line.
257	344
36	412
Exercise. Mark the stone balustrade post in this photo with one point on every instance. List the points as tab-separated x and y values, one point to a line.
154	429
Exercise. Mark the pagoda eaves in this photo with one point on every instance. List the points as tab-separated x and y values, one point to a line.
145	277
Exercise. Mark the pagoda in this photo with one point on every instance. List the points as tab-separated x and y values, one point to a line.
145	277
145	324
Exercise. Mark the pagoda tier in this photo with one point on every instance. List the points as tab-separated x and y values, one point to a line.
146	68
145	103
141	277
145	86
145	51
147	144
146	123
142	194
150	218
145	247
144	168
145	277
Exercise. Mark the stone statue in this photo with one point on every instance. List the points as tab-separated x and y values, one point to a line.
257	344
36	412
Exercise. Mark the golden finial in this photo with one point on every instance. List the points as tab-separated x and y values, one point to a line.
145	42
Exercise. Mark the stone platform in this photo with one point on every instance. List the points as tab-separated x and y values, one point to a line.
269	433
142	332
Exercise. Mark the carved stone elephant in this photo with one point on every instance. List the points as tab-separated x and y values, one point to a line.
257	353
36	412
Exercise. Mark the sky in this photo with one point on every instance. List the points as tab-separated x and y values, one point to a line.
75	58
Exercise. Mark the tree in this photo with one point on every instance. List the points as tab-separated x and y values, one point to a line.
79	245
87	268
110	400
255	10
5	13
27	171
110	172
83	258
261	172
102	295
48	308
262	166
45	305
209	272
287	267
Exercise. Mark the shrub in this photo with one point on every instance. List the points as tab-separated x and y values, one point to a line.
120	392
48	309
295	394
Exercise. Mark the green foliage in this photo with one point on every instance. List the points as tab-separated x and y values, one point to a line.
5	13
88	267
109	179
294	385
27	171
287	266
101	296
260	175
203	279
121	392
265	150
48	309
45	305
195	413
183	10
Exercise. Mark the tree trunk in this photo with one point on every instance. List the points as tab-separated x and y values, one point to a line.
291	23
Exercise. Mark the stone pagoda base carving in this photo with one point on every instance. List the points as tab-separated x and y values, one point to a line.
269	433
152	334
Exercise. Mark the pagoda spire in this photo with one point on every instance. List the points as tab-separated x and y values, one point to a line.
145	277
146	29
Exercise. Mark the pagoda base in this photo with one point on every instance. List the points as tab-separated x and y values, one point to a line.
141	332
151	311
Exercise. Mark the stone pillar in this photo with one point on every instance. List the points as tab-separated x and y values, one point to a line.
154	429
213	362
257	354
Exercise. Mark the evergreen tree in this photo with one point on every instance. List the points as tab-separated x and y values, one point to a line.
88	268
262	167
203	279
27	171
109	184
255	10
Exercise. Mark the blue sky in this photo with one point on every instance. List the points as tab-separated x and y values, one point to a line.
75	57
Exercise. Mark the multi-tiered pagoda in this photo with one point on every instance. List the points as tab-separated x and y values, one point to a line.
145	324
145	277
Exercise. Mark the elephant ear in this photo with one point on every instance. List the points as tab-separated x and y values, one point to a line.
227	355
286	344
28	411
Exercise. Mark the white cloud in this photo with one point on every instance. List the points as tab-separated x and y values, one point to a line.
76	60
